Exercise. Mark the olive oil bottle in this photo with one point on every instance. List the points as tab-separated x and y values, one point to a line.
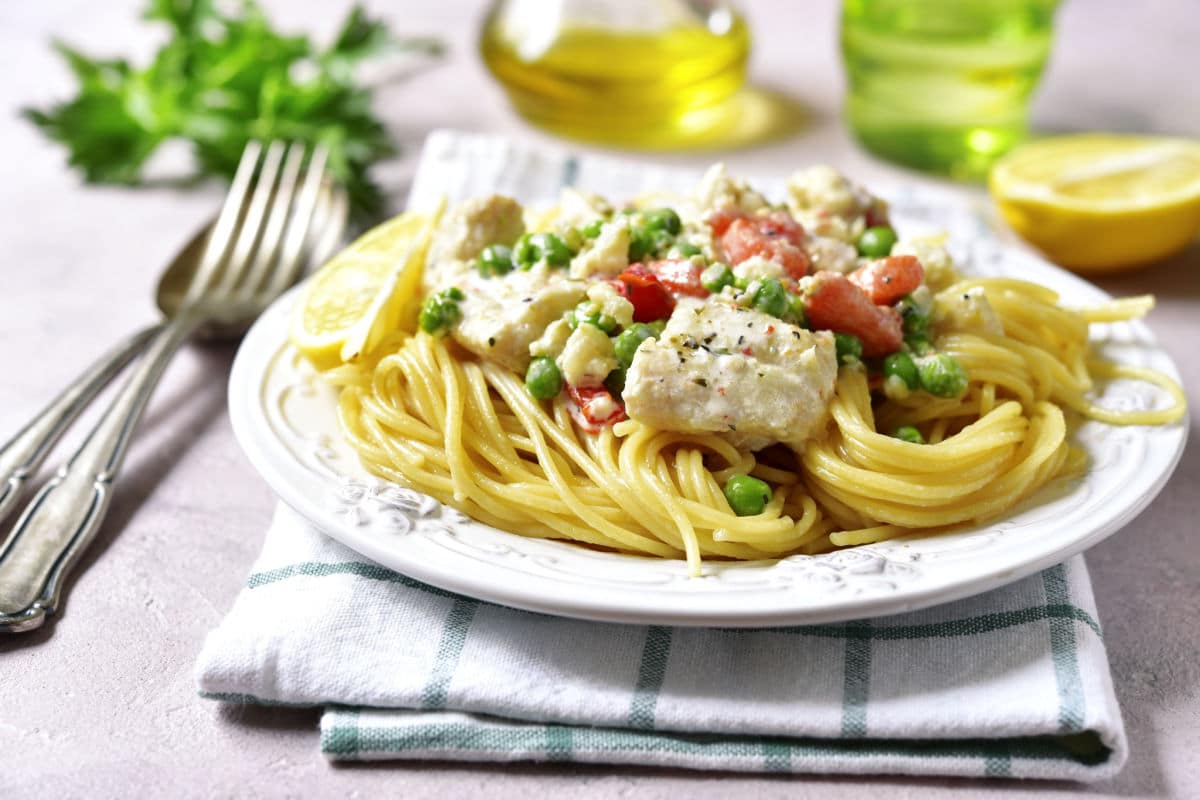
638	73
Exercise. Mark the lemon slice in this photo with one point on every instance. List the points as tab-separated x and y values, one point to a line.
1102	202
364	292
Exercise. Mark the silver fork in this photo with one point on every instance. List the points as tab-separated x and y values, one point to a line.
274	216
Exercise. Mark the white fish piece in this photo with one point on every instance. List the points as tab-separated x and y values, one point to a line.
745	375
502	316
468	228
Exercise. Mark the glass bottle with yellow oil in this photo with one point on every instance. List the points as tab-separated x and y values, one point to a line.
639	73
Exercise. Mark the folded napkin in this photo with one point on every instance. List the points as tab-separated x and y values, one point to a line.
1014	682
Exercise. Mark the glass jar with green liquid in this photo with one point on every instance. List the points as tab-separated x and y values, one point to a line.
943	85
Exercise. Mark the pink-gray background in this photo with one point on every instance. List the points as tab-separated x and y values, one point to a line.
102	704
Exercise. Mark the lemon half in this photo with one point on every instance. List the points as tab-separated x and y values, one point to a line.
1102	202
364	292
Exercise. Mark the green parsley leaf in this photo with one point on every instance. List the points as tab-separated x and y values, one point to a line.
221	79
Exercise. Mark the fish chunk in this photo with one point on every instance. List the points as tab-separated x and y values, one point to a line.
719	368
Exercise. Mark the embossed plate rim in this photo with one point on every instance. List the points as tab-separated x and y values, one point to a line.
445	549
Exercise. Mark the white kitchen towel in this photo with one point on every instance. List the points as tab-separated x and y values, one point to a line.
1014	682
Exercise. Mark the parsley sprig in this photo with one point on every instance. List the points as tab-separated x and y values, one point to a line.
221	79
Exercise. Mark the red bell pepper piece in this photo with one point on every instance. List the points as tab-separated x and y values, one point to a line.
886	280
649	296
775	237
832	302
681	277
593	407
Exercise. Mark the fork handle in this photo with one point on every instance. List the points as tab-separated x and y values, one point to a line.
64	516
24	453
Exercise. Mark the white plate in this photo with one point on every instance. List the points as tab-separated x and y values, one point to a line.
284	418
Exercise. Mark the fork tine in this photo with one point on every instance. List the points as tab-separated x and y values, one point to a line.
222	231
299	224
273	233
337	216
251	223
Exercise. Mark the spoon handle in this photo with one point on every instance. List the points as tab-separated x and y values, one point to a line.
64	516
23	453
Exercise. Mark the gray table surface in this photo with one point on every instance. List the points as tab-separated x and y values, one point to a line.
101	703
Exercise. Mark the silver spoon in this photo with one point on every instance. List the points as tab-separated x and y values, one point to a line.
217	284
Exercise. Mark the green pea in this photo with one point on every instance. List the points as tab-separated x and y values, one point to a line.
534	247
876	242
849	348
646	241
747	495
628	342
615	382
909	433
902	366
586	313
771	298
495	259
664	219
684	250
641	244
440	311
526	252
919	345
592	229
554	249
796	314
916	323
916	326
941	375
658	326
432	318
716	277
663	242
543	378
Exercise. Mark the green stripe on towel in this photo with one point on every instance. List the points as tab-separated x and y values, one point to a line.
856	680
454	638
1064	653
343	740
768	753
650	677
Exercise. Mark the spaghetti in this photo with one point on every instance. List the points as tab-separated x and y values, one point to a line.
426	413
